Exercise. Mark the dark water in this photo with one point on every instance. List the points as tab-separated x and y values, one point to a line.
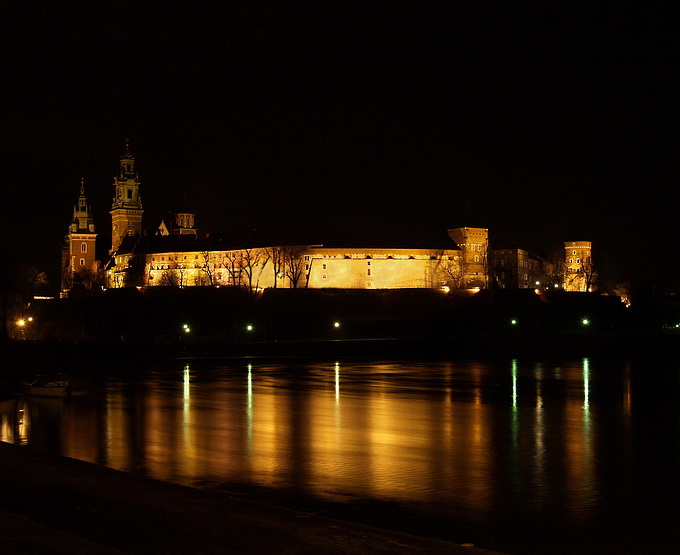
570	456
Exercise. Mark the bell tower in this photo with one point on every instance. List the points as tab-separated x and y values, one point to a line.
126	210
78	255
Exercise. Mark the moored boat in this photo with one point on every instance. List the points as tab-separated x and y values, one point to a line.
48	386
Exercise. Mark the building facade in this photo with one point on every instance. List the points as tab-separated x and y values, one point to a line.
580	274
78	256
126	210
175	255
517	269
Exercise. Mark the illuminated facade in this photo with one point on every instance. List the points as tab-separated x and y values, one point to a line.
175	255
78	257
579	272
299	266
474	245
126	210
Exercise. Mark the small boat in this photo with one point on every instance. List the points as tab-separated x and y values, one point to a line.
48	386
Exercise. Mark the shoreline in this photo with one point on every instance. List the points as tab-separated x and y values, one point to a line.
60	505
461	346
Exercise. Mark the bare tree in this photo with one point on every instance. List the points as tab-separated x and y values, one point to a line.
175	275
555	269
590	273
254	263
30	279
232	262
623	291
277	258
208	267
169	278
86	278
454	271
293	263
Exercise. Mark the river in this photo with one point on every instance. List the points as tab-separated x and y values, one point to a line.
516	455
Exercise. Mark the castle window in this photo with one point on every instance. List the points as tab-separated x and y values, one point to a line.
323	276
573	252
578	261
476	258
82	262
129	193
369	272
83	247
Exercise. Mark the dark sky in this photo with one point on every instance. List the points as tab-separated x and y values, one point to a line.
347	121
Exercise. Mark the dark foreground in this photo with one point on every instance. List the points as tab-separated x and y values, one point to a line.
60	505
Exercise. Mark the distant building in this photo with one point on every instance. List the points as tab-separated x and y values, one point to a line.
580	274
78	257
517	269
126	210
174	254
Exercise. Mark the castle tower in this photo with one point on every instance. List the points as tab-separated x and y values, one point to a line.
579	272
184	224
474	244
78	256
126	211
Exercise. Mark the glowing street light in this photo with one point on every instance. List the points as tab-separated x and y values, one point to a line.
336	324
249	327
513	322
186	328
585	322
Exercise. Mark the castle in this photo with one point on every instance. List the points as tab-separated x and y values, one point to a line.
173	254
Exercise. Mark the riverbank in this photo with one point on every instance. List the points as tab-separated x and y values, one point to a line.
59	505
461	346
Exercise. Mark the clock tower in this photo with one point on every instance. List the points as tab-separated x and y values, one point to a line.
126	211
78	261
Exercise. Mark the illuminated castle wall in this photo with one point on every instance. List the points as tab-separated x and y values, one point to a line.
299	266
175	255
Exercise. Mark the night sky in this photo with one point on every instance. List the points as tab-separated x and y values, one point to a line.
351	123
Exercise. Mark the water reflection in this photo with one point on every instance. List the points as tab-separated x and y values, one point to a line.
472	438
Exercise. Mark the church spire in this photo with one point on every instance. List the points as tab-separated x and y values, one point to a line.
82	222
127	163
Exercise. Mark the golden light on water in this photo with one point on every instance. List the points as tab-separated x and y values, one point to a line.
334	435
